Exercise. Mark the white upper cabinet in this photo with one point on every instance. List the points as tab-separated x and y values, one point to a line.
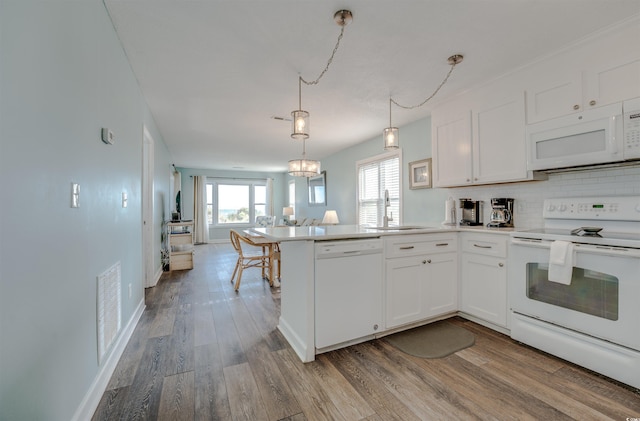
451	148
480	139
499	149
556	95
599	71
613	82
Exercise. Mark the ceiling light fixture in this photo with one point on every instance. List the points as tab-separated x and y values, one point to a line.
304	167
300	125
300	118
391	135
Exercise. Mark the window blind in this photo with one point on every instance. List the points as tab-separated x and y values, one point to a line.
374	177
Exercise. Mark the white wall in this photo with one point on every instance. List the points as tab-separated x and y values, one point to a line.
63	77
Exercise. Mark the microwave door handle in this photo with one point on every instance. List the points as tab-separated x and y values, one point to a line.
613	143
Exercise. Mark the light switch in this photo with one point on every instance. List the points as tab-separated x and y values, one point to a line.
124	199
75	195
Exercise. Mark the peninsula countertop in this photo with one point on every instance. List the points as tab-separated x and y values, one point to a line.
342	232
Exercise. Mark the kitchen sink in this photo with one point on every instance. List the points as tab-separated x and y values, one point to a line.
403	228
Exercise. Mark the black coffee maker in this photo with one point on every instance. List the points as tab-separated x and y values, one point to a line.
501	213
471	212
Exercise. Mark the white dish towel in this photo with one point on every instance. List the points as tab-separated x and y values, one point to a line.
561	262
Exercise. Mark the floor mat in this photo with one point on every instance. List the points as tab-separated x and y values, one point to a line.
435	340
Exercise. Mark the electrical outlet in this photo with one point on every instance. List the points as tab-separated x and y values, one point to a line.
130	291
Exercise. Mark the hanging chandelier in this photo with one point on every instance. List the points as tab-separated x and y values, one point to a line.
391	135
304	167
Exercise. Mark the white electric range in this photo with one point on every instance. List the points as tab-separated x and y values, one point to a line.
592	317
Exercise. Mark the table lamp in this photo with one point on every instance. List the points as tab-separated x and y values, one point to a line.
330	218
287	211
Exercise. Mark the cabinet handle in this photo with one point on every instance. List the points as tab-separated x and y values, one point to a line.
592	102
481	247
375	327
576	107
406	248
424	262
442	244
501	264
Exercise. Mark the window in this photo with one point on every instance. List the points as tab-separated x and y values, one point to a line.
236	202
375	175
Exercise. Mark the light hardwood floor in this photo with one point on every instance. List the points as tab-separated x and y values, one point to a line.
201	351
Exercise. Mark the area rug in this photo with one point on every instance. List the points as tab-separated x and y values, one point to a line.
435	340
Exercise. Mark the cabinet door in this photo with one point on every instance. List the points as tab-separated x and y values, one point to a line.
499	148
451	151
442	278
612	83
554	96
484	288
405	290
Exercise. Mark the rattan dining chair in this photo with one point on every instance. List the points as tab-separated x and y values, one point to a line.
250	255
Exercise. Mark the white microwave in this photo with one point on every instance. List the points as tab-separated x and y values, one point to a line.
598	136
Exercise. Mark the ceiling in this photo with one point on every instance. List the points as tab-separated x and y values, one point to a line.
215	72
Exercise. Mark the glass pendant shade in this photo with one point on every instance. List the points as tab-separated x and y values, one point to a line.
300	124
304	167
391	136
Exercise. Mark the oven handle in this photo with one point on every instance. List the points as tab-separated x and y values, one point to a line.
584	248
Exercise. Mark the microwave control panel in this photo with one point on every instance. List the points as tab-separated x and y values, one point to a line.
631	129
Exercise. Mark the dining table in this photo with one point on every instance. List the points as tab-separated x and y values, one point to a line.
268	246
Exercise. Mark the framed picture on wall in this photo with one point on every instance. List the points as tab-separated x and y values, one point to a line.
420	174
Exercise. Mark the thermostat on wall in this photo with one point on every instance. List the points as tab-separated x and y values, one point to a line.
107	136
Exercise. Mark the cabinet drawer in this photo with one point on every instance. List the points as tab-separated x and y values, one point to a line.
411	245
485	244
179	239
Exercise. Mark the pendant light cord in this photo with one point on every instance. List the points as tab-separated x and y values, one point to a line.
453	62
335	49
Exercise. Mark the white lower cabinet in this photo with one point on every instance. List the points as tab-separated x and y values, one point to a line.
421	277
484	277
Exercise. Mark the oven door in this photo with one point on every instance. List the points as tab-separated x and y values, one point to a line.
601	300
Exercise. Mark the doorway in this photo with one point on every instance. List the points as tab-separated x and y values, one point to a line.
148	251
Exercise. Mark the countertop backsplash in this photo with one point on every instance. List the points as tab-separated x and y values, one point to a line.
529	196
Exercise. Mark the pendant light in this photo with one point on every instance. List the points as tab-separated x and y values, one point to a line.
300	118
391	134
304	167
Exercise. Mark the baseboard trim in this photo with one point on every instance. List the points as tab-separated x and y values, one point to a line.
157	276
92	398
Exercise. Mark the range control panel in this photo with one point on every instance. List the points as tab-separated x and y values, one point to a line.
613	208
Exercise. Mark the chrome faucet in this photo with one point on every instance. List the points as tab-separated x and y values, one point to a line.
387	203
